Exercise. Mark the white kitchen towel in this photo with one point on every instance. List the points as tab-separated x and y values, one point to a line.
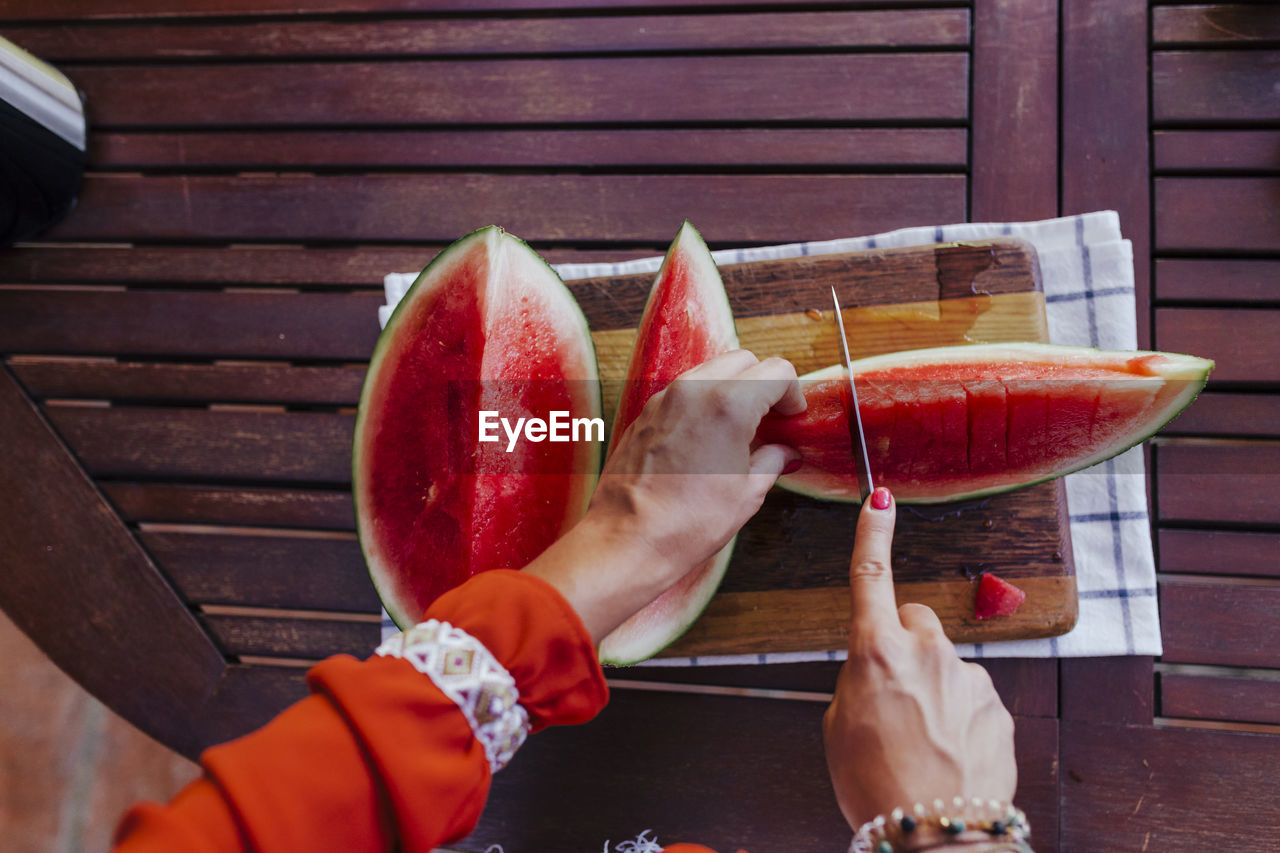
1087	271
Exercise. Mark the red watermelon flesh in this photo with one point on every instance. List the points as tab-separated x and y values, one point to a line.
487	326
686	321
963	422
996	597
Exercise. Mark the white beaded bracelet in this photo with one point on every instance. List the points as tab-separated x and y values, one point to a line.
471	676
959	821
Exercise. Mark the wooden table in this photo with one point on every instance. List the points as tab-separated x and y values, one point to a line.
181	356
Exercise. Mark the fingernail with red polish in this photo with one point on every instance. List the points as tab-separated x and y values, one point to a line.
792	466
880	498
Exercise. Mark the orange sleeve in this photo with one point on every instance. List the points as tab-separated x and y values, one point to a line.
378	755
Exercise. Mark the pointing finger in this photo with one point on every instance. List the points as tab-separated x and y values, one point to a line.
870	575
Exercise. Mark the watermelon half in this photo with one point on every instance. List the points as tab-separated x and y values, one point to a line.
686	321
487	326
963	422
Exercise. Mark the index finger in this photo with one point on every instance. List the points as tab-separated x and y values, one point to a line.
774	387
870	572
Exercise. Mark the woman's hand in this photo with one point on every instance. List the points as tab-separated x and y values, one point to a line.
910	721
677	487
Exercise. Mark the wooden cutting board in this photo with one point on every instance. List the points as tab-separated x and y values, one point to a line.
787	586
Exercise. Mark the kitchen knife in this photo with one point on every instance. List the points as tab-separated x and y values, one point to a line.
856	436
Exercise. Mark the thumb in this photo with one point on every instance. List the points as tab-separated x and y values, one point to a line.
767	463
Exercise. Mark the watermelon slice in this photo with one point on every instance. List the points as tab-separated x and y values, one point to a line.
686	321
487	326
962	422
996	597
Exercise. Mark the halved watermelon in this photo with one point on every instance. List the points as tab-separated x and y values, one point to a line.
963	422
487	326
686	321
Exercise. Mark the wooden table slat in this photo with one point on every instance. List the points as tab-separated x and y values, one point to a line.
46	10
1172	790
1218	280
1244	343
386	207
1217	214
565	148
1216	483
197	444
228	383
1214	23
263	570
1107	689
1219	552
829	87
177	503
1217	150
1221	414
480	36
1210	697
307	639
1220	623
1214	85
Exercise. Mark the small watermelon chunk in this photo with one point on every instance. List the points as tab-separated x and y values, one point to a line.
996	597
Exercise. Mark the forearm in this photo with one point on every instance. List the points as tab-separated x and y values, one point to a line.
351	767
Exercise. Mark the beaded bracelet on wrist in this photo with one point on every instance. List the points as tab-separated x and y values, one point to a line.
994	825
471	676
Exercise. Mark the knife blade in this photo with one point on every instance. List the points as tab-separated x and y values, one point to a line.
857	438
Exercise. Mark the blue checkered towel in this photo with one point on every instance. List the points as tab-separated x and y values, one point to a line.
1087	271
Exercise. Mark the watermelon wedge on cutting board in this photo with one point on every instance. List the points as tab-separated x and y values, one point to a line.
686	321
786	588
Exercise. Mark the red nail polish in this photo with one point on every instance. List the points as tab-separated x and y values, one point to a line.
792	466
880	498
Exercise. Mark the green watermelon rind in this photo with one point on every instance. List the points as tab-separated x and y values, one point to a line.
631	650
436	271
1190	369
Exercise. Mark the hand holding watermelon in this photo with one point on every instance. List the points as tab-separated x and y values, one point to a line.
910	721
679	484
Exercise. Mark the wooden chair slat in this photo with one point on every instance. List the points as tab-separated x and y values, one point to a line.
1214	413
218	383
1217	214
198	444
1244	343
1213	85
480	36
1217	150
176	503
829	87
339	326
843	148
1219	623
555	208
1218	279
1219	552
1210	697
1214	23
1131	780
1234	482
307	639
292	572
45	10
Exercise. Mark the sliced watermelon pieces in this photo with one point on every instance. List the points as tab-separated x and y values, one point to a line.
963	422
996	597
487	326
686	321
